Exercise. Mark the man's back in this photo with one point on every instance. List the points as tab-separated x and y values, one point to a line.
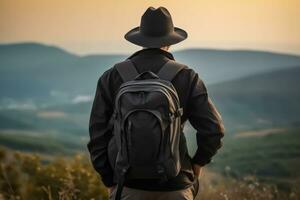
197	108
152	60
191	90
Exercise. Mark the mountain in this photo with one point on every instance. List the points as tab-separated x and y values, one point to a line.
48	74
46	98
260	88
32	73
270	99
261	115
263	101
258	101
215	66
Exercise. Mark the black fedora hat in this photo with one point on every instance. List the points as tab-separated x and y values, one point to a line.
156	30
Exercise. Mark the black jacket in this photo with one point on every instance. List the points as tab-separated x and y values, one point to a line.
197	108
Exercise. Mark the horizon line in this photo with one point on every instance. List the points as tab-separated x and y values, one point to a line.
125	54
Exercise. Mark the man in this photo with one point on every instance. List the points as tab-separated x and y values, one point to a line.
155	34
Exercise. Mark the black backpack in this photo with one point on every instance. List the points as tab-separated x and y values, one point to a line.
146	124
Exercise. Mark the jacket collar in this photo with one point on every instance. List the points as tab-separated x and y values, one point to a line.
153	51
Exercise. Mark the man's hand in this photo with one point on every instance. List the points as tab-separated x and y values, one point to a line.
110	189
197	170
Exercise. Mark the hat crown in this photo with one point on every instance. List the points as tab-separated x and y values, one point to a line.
156	22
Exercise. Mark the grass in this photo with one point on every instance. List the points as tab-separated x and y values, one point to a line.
27	176
271	160
274	158
40	142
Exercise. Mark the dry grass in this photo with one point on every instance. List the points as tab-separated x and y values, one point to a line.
28	177
216	187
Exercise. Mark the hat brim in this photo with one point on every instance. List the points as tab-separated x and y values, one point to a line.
136	37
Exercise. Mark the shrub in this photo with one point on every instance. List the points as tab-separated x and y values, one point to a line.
27	176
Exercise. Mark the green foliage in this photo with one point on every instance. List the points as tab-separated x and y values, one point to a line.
273	158
42	142
30	177
214	187
27	176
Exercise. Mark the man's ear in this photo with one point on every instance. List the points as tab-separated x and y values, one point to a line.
166	48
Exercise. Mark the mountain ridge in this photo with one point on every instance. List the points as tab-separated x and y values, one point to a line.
258	101
189	49
41	72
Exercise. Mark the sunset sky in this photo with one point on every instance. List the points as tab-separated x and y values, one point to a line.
98	26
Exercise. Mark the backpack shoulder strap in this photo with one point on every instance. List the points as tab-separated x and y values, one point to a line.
127	70
170	70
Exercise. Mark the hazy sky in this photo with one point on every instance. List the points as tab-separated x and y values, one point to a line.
98	26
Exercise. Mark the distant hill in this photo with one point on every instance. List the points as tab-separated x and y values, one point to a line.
47	73
261	114
262	88
264	100
43	74
261	101
272	158
46	98
216	66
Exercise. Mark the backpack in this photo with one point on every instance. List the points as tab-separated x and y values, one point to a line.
146	124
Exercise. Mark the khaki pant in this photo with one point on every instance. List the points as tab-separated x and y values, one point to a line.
135	194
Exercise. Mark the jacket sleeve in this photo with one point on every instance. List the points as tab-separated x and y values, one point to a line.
100	133
207	121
